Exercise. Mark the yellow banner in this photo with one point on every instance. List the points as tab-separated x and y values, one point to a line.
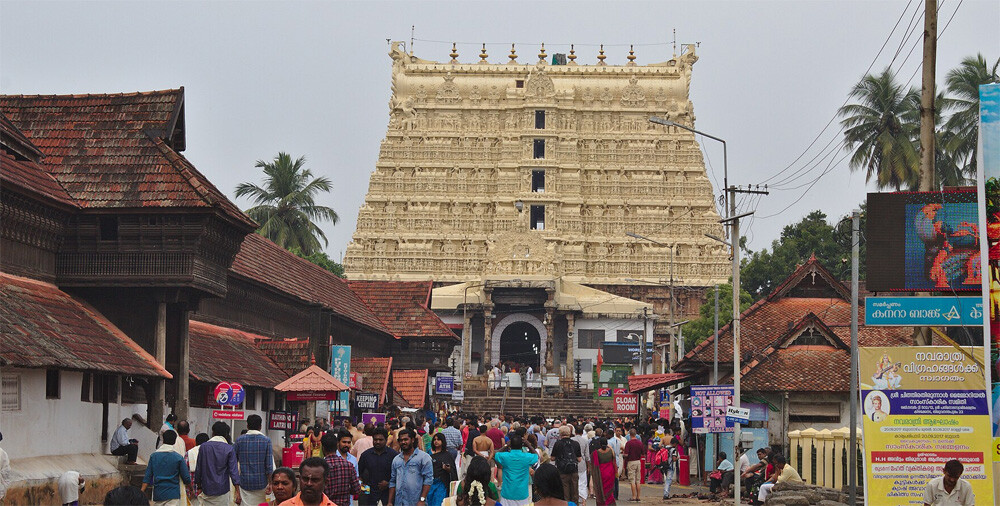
923	406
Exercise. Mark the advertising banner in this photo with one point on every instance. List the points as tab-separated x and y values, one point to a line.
626	404
951	311
340	368
988	179
708	408
282	420
373	418
922	406
625	353
445	385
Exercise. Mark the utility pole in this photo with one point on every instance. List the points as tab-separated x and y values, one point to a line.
927	97
852	455
642	357
673	340
715	344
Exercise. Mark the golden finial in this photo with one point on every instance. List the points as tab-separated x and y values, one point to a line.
513	55
541	54
601	57
631	55
454	53
572	55
483	55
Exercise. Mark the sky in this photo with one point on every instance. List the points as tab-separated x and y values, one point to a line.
313	78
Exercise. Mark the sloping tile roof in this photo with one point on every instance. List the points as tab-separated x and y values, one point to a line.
291	355
412	384
263	261
801	369
312	378
225	354
375	371
642	383
32	177
13	138
42	326
404	307
111	151
399	400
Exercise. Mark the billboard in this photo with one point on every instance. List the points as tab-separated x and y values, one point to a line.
625	353
922	406
708	408
340	369
939	232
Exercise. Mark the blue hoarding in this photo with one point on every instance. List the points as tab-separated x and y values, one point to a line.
924	311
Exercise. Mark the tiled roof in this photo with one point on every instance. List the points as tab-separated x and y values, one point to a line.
225	354
265	262
412	384
313	378
14	139
801	369
32	177
111	151
42	326
404	307
375	371
399	400
642	383
291	355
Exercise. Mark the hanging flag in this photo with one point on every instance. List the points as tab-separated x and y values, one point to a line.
600	362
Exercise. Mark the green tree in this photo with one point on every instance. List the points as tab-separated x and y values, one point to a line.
963	103
879	129
286	206
701	328
321	259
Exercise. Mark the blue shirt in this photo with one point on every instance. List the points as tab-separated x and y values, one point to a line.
164	470
410	476
454	438
256	459
516	480
216	467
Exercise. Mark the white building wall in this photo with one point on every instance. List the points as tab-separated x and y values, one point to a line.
610	326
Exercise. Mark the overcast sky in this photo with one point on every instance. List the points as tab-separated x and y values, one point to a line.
312	78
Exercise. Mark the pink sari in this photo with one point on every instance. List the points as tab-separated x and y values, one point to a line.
605	476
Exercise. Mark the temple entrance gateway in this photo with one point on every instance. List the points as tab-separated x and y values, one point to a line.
520	346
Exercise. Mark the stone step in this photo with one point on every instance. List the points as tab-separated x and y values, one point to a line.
549	407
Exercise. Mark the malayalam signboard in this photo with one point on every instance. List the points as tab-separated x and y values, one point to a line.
227	414
708	408
626	404
952	311
282	420
340	368
922	406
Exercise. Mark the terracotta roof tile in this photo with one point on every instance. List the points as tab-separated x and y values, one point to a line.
801	369
265	262
412	384
291	355
375	371
42	326
32	177
103	149
641	383
225	354
312	378
404	307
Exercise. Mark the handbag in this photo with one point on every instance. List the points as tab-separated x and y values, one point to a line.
715	475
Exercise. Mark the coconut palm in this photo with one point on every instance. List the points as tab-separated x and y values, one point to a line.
286	206
879	128
963	102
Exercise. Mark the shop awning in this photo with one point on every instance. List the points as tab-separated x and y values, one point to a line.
646	382
312	384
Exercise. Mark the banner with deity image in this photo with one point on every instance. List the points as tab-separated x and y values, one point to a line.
340	369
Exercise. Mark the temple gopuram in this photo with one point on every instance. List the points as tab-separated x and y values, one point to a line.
512	186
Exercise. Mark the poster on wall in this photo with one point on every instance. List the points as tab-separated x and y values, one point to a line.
340	369
922	406
988	179
708	408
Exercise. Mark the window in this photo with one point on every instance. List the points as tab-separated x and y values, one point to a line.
519	83
265	400
539	119
251	401
105	388
85	388
538	181
809	338
807	412
11	392
539	151
52	383
590	338
537	217
133	390
625	336
109	228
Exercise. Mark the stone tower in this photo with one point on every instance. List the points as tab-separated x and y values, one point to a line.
537	169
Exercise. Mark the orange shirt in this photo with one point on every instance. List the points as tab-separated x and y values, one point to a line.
297	501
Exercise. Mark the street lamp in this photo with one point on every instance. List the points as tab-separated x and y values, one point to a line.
725	157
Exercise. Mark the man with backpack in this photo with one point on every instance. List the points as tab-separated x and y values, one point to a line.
567	455
666	460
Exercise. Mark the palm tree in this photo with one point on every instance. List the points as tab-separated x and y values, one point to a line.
963	87
879	129
286	207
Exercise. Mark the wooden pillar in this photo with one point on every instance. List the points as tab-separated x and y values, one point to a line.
570	343
182	404
487	337
466	342
158	403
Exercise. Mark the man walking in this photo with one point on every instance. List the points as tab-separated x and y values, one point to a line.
183	434
453	434
514	477
122	445
312	481
412	473
633	463
375	469
362	444
217	468
164	472
256	459
949	488
584	442
567	456
341	477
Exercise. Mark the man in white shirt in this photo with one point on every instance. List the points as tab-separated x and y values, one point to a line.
70	486
744	461
949	489
122	445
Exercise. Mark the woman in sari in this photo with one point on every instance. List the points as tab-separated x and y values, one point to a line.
605	472
654	476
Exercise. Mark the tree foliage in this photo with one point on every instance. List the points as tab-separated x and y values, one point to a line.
321	259
701	328
963	102
286	206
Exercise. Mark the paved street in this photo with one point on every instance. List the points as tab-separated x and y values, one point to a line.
653	494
